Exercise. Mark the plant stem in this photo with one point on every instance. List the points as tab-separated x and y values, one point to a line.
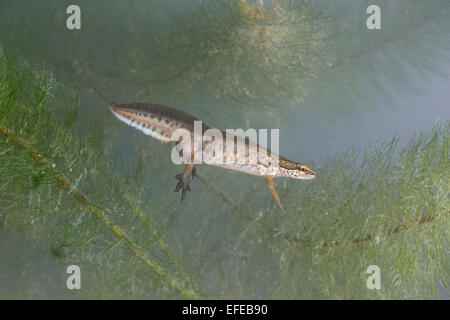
117	231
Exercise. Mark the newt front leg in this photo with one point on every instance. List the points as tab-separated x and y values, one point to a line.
274	193
184	182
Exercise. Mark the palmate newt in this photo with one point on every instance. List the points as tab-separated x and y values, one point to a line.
161	122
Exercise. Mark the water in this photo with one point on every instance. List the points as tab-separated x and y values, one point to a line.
393	83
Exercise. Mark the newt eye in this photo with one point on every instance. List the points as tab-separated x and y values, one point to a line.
302	169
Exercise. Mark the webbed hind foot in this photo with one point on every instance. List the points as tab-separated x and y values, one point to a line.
184	180
183	184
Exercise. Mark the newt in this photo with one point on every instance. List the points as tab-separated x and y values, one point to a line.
160	122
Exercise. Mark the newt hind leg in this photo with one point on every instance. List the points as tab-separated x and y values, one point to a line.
184	180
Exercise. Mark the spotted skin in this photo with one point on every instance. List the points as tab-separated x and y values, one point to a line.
159	122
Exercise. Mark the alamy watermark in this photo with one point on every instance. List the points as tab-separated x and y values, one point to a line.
234	146
374	280
373	22
74	280
73	21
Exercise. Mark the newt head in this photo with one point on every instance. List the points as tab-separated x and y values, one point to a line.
295	170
